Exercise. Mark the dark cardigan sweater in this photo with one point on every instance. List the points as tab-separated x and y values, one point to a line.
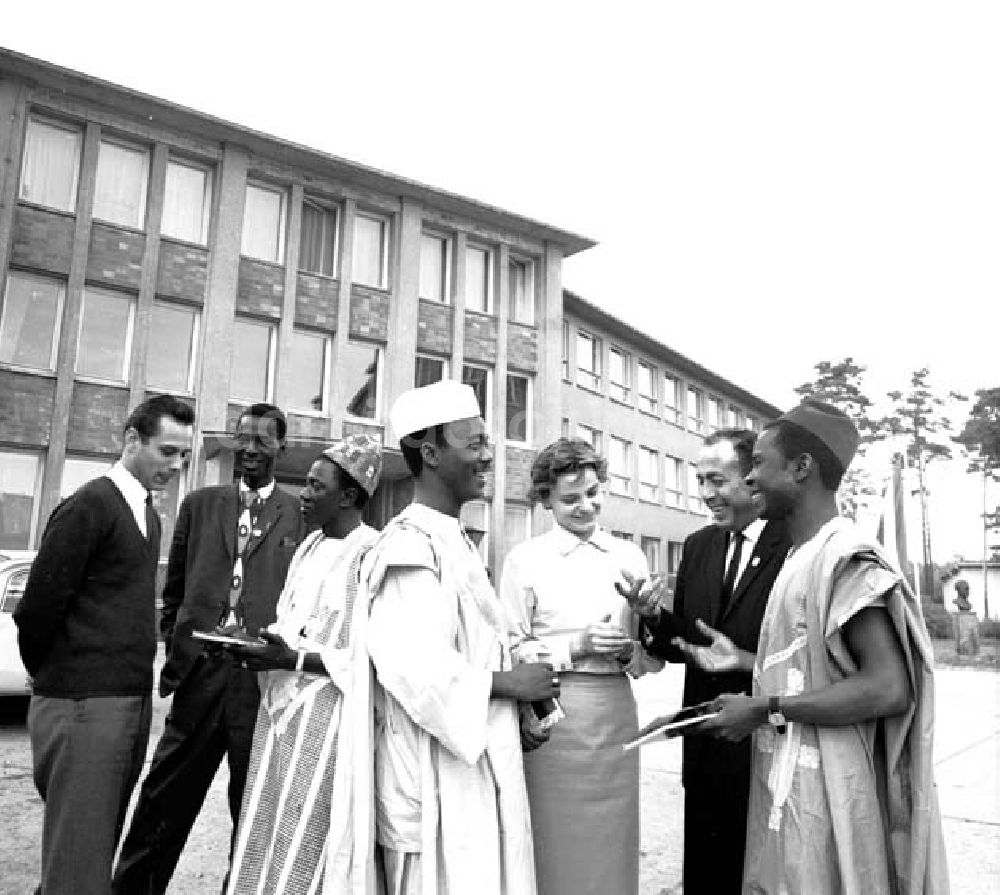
87	620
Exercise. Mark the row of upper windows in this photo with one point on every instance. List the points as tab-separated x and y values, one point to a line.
660	478
704	413
50	174
31	318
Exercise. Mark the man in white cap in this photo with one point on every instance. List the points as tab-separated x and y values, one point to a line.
306	804
842	794
450	801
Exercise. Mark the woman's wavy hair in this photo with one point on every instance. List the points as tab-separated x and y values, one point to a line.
565	455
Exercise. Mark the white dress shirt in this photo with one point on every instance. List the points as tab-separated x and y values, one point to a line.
751	534
133	492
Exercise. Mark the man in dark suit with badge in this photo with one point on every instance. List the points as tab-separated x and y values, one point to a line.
725	575
228	559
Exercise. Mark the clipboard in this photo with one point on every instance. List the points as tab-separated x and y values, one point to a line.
225	640
687	720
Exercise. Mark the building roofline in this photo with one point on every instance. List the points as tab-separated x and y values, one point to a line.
138	104
574	303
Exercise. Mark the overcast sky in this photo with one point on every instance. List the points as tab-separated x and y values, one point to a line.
771	184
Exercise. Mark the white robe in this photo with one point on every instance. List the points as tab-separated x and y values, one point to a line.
449	776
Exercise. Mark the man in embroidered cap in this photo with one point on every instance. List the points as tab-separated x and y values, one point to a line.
299	831
450	801
842	796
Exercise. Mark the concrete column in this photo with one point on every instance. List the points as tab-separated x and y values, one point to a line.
338	387
458	306
220	297
287	322
12	110
498	436
69	330
404	309
548	381
147	275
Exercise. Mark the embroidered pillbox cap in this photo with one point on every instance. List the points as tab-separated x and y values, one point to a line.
829	424
432	405
360	456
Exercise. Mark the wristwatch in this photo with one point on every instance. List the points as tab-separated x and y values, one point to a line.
774	715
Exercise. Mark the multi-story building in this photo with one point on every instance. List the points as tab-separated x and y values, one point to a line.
145	247
647	408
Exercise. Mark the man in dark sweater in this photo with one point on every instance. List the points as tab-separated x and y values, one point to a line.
228	560
87	636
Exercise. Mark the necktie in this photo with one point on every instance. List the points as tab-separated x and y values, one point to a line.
151	520
244	529
729	582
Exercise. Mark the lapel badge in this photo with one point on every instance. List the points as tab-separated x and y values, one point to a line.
256	532
755	561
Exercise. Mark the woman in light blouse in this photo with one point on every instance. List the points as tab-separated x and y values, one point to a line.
563	607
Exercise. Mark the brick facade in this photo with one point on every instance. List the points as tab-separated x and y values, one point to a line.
261	288
317	300
369	314
182	271
26	403
96	418
305	426
434	327
41	240
354	427
480	337
522	347
115	256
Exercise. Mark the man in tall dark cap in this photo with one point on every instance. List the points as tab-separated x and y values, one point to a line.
842	705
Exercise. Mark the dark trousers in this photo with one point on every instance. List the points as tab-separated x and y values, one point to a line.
87	755
212	714
715	832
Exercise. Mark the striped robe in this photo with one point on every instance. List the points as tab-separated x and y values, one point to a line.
299	832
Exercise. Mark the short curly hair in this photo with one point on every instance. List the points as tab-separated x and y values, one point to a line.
565	455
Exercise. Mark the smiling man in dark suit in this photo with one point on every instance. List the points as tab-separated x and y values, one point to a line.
725	575
228	560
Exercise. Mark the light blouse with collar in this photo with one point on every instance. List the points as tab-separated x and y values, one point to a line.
555	585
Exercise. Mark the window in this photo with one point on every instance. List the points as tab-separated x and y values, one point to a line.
651	549
359	365
78	471
479	379
564	427
20	481
588	361
518	410
435	257
672	482
672	393
251	376
675	549
735	419
308	371
620	465
565	350
318	239
516	525
264	224
478	280
753	424
619	375
715	414
120	193
695	410
29	326
170	367
521	286
105	343
649	475
50	167
428	369
187	202
371	250
588	433
694	503
475	519
647	387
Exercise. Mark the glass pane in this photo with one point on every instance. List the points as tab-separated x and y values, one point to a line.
306	372
521	306
120	195
105	333
185	203
51	165
368	251
29	322
517	408
316	243
18	480
262	224
478	378
427	370
251	356
477	279
168	367
516	526
358	367
433	267
78	471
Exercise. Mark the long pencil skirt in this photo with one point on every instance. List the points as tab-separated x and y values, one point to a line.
584	792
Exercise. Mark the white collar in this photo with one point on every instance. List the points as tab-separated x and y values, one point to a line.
130	487
753	531
263	493
566	542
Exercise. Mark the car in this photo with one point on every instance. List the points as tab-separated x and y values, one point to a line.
14	568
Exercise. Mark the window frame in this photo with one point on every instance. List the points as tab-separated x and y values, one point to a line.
528	264
207	193
471	507
196	313
694	502
647	401
649	491
327	346
385	243
379	350
332	245
35	493
56	326
595	439
696	422
111	139
528	410
488	415
444	240
673	399
435	358
620	391
622	479
673	497
649	541
282	193
489	264
55	124
133	301
593	384
272	350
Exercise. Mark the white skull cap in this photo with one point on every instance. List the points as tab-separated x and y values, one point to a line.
431	405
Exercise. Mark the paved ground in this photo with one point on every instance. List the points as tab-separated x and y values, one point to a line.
967	761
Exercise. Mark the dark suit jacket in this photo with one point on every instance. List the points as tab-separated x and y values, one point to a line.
200	568
697	596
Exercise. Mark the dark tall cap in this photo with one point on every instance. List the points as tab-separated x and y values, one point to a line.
829	424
